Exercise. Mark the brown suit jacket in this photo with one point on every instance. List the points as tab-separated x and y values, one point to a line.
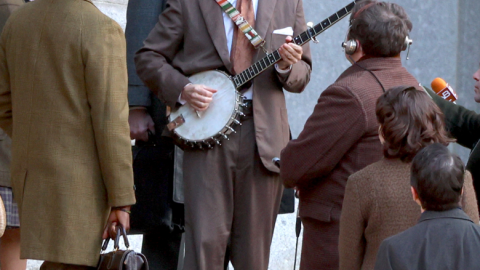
177	47
378	204
63	101
340	137
6	8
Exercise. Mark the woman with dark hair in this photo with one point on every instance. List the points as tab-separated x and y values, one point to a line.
378	202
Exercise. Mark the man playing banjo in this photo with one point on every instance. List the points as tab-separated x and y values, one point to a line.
232	191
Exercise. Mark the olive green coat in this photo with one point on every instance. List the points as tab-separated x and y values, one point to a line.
63	101
6	8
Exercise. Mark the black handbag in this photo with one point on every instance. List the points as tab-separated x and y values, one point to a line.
121	259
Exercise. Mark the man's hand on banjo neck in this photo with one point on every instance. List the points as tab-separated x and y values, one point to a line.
290	52
198	96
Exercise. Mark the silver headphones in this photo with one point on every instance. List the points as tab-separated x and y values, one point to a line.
350	46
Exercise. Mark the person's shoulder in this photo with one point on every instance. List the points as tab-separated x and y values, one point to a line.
378	169
93	17
404	239
476	229
395	248
366	179
352	74
380	178
360	84
366	173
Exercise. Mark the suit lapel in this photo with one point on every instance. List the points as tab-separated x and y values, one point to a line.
213	17
264	16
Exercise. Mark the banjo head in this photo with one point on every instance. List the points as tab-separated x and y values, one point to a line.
217	116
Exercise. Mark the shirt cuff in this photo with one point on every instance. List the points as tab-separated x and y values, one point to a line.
283	71
180	99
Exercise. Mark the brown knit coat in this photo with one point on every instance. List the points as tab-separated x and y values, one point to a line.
378	204
340	137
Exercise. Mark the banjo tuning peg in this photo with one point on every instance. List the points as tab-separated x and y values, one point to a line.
208	144
224	136
236	121
215	140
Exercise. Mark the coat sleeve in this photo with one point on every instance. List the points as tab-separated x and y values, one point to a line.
469	198
351	245
160	47
463	124
383	257
5	91
337	122
297	79
104	56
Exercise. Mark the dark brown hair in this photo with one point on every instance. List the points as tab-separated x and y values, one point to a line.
409	120
380	27
438	176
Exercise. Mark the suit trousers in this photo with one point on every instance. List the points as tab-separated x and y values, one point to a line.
230	195
320	243
62	266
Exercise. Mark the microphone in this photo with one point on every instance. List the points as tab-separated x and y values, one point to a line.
443	89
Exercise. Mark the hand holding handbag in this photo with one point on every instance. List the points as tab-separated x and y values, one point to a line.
121	259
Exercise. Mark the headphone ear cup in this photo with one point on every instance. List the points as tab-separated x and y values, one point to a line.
350	46
407	43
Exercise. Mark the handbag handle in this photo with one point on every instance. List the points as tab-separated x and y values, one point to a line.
120	231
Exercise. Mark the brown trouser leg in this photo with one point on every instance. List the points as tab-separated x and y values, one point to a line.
61	266
229	193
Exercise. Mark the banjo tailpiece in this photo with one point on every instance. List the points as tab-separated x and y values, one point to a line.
176	122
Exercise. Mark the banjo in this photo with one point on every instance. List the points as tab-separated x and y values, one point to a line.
208	128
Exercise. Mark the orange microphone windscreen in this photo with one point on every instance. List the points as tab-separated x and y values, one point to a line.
438	84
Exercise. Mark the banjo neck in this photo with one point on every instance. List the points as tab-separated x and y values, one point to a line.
271	58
